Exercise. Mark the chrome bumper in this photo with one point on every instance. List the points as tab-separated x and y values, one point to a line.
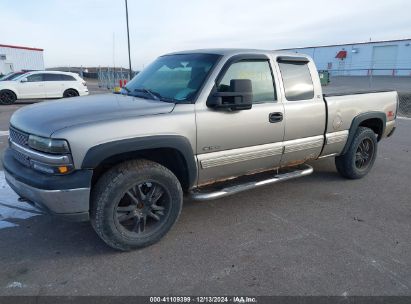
389	128
68	202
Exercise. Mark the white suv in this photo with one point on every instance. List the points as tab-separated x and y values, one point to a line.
42	84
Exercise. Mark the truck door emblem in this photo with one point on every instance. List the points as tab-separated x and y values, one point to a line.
211	148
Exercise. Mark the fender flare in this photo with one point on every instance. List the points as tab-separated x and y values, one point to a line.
99	153
358	120
70	88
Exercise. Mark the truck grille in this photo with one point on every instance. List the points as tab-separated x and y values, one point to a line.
19	137
21	158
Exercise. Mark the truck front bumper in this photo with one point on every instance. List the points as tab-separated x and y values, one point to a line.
63	195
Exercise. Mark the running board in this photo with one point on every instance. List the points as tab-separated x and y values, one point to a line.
206	195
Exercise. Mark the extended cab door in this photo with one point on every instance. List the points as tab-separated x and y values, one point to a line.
234	143
304	110
33	87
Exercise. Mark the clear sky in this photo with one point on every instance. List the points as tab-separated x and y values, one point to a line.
80	32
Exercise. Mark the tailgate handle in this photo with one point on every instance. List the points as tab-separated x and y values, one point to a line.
275	117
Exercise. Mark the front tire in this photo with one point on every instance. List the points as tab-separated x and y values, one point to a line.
135	204
7	97
360	156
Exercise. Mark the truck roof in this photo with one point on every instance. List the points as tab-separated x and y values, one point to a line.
236	51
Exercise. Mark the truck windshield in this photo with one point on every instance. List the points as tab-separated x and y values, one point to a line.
172	78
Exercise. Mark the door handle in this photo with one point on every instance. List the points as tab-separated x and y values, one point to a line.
275	117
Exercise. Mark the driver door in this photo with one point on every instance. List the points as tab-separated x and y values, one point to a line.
234	143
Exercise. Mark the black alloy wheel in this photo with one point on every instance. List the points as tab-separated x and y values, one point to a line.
143	209
364	154
70	93
7	97
360	156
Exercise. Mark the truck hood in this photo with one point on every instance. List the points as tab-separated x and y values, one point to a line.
45	118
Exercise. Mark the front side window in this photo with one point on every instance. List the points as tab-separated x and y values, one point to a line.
15	76
172	78
298	84
35	78
258	71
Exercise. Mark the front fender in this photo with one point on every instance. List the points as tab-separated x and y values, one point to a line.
99	153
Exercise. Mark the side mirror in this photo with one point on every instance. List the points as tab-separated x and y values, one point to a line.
238	97
23	80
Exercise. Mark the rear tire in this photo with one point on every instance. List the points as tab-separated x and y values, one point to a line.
70	93
135	204
360	156
7	97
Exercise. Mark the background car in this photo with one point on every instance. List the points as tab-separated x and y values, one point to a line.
42	84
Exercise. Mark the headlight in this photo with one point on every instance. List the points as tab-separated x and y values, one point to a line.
48	145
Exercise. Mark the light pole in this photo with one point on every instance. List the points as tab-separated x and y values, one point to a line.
128	40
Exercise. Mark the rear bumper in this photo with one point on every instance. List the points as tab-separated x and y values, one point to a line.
389	129
67	195
391	132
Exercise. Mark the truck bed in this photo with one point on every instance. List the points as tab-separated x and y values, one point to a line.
342	108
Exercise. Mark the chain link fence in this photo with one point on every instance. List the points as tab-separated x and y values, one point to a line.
404	108
110	78
346	81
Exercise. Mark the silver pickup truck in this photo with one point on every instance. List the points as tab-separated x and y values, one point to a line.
207	123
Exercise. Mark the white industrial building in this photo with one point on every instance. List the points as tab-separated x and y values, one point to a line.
16	58
391	58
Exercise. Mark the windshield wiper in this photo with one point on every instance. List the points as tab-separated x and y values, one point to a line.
155	95
152	94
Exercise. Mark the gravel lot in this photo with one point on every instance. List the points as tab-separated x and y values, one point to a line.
319	235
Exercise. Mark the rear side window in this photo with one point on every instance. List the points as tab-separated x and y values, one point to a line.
64	77
298	84
52	77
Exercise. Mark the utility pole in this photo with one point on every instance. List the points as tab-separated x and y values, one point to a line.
128	40
114	60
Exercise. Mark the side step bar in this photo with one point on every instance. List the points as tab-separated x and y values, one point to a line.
199	195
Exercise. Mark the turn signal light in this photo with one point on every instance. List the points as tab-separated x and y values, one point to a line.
63	169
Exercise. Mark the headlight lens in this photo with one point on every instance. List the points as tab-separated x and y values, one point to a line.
48	145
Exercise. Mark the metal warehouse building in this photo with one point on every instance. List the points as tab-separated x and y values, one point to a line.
391	58
16	58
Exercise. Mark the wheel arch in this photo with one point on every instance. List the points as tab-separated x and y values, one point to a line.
376	121
71	89
11	90
172	151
